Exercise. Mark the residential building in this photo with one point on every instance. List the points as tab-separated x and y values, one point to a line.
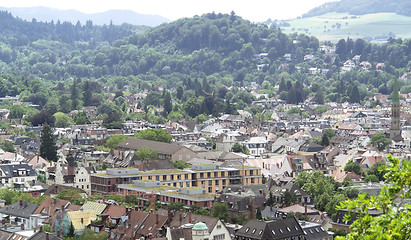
287	228
166	151
210	177
21	213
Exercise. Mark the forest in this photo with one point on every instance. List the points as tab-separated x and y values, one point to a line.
205	65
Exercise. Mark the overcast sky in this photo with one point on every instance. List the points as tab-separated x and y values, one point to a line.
253	10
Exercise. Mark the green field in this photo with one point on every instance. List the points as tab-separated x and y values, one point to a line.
376	27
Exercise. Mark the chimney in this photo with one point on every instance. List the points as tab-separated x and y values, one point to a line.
34	229
5	227
21	202
322	216
47	236
180	217
239	192
189	217
22	226
82	220
156	218
54	201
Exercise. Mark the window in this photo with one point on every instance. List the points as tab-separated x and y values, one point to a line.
180	157
210	182
252	180
210	189
188	157
150	177
219	236
186	176
201	175
209	175
164	177
254	230
224	182
215	174
157	178
222	174
251	173
216	182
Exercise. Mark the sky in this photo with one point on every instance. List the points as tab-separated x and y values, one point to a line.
253	10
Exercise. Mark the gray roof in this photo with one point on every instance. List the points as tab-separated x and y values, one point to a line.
160	147
278	229
24	210
11	170
43	235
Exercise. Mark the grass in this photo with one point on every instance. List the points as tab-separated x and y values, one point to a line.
376	27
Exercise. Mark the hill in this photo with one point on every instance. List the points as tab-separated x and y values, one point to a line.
361	7
378	27
117	17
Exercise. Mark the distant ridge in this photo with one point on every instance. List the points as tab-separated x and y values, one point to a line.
117	17
361	7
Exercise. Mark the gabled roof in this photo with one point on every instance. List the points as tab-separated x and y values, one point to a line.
57	188
43	235
160	147
19	209
12	170
278	229
115	211
211	222
51	205
80	219
96	208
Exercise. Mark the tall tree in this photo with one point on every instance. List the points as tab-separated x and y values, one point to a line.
74	96
48	148
87	94
168	106
355	95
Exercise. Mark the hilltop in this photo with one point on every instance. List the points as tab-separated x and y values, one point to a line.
361	7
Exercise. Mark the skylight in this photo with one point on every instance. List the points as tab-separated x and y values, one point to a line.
248	229
254	230
273	232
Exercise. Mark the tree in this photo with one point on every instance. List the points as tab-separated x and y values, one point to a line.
43	117
159	135
371	178
258	214
288	198
145	153
319	96
355	95
71	231
180	164
377	170
81	118
16	111
74	96
330	133
113	121
325	141
380	141
168	106
62	120
91	235
202	211
239	148
48	148
71	195
87	93
114	140
395	220
353	167
180	92
220	211
7	146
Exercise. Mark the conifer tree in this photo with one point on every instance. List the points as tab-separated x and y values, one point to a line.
48	148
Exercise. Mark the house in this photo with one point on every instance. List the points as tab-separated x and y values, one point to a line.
17	175
166	151
257	145
339	222
242	203
140	225
80	220
55	189
315	231
37	162
198	225
288	228
297	208
21	213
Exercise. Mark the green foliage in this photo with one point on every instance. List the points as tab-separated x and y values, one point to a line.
48	148
220	211
202	211
377	170
159	135
330	133
380	141
71	231
180	164
47	228
62	120
395	221
321	109
41	178
31	134
353	167
16	111
114	140
288	198
7	146
11	195
371	178
91	235
239	148
176	206
325	141
145	153
71	195
258	215
81	118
